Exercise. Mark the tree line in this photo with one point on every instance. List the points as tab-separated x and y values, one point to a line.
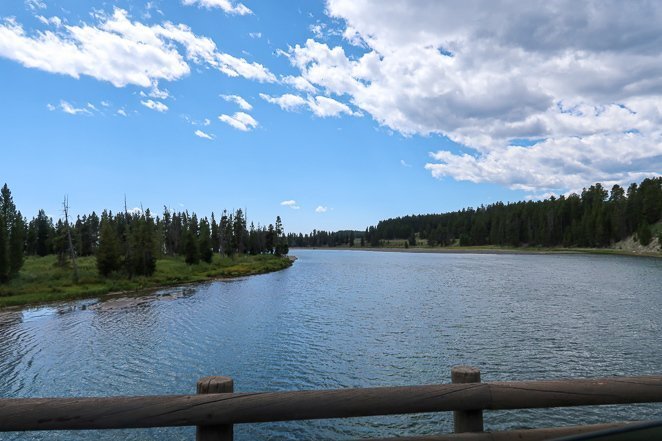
317	238
594	218
128	243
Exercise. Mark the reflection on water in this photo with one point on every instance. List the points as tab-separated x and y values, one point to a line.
352	319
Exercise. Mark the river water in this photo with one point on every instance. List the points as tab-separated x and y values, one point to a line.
339	319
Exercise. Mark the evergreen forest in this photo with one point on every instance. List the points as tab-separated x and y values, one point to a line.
596	218
128	243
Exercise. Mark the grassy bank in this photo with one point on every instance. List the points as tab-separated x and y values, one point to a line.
42	280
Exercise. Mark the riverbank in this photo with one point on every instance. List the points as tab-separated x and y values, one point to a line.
496	250
42	280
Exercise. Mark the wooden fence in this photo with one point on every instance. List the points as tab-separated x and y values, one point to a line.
216	408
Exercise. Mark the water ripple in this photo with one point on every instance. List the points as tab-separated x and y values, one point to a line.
348	319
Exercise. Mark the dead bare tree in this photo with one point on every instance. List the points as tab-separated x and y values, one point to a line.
65	205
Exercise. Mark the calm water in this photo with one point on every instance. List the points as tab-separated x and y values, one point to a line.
354	319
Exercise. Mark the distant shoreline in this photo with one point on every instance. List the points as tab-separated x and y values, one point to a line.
486	250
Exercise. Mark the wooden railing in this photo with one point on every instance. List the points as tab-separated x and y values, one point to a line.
215	408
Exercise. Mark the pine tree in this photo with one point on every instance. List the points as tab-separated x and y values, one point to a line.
44	232
239	232
4	250
109	252
16	245
644	234
142	243
270	239
204	242
215	236
191	256
225	234
280	247
12	242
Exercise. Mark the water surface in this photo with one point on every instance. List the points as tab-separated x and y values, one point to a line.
341	319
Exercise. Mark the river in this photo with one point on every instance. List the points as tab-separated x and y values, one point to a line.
339	319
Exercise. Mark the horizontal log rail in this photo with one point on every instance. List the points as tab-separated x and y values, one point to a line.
223	409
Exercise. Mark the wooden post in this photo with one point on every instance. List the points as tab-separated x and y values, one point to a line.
215	385
466	420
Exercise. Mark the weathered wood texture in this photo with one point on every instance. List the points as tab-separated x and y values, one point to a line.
466	420
214	409
519	435
215	385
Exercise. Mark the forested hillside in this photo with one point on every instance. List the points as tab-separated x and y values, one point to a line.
594	218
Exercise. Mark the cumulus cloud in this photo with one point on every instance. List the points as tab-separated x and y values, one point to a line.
287	101
321	209
155	105
299	83
201	134
240	120
122	51
226	6
321	106
242	103
543	96
290	203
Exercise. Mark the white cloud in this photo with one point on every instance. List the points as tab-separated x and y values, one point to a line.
317	29
50	107
290	203
287	101
574	78
35	5
324	107
321	209
105	103
204	135
122	112
242	103
155	105
321	106
122	51
299	83
67	107
155	92
255	34
235	67
226	6
404	163
206	122
54	21
240	120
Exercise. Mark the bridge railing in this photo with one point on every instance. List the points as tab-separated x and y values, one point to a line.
216	407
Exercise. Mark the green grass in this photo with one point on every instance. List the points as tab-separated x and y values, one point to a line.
421	246
42	280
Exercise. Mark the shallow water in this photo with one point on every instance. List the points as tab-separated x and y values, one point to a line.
353	319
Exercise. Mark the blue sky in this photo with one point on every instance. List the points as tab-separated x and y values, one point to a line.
332	115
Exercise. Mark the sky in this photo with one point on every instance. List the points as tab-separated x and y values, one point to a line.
332	114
